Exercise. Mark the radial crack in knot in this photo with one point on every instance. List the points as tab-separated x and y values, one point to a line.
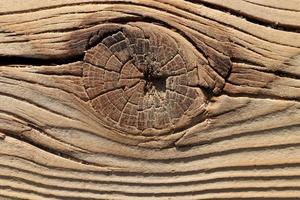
144	80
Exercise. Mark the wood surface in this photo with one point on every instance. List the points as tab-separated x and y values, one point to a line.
221	80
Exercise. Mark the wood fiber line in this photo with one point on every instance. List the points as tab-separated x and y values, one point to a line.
146	99
290	5
190	180
261	32
97	180
149	193
278	19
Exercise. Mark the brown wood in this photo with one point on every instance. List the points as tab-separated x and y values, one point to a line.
144	99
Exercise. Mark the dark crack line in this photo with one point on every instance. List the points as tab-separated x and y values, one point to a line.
23	60
248	17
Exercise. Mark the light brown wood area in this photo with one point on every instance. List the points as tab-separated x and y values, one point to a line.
149	99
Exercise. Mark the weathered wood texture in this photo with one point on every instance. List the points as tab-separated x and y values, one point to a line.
238	138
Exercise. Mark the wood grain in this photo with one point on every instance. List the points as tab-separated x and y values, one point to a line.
240	139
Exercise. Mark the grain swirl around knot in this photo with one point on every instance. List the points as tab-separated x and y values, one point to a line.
145	79
149	99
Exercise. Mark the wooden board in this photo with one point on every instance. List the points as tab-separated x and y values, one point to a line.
149	99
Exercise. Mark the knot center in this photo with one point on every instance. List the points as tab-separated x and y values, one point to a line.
154	82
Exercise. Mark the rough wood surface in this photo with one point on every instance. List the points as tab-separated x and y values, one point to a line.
144	99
